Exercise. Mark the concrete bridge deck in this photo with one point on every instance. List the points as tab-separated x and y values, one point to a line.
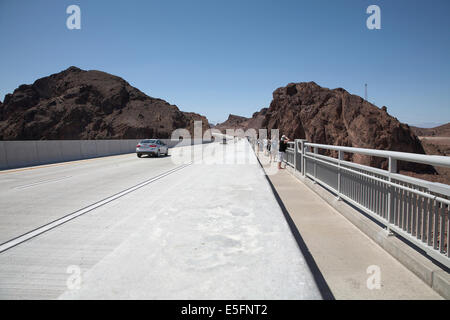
205	231
129	228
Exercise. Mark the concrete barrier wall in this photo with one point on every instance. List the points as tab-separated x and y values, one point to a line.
49	151
18	154
3	163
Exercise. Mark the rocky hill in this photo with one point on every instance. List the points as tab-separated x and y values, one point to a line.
436	141
439	131
78	104
239	122
233	121
321	115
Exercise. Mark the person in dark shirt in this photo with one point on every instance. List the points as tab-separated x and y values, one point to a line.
282	150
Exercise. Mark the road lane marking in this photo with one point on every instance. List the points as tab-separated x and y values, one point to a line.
42	182
59	164
51	225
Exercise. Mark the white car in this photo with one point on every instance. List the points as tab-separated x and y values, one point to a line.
152	147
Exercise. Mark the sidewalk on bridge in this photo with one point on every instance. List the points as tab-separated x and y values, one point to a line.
341	251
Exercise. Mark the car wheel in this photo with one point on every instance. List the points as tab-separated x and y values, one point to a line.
139	155
158	154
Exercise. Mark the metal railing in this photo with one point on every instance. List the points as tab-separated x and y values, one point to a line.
290	154
412	208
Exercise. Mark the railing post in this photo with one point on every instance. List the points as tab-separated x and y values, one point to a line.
340	157
392	169
316	150
295	155
303	147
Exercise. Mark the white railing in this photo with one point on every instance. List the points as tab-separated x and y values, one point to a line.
414	209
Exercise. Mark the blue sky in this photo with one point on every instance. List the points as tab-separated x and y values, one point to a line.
221	57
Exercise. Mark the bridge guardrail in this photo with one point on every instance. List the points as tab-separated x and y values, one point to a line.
412	208
18	154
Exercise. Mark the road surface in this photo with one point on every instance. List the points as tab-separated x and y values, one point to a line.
207	230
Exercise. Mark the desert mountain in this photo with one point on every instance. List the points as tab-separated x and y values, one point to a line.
321	115
78	104
436	141
232	122
439	131
238	122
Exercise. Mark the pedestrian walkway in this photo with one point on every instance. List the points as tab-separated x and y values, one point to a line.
346	257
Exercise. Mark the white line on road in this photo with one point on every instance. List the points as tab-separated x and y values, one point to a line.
33	233
42	182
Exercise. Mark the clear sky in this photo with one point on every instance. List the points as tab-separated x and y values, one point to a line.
220	57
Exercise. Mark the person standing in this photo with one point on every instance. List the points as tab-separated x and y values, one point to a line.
282	150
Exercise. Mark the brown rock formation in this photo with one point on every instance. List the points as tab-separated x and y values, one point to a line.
233	122
238	122
320	115
439	131
78	104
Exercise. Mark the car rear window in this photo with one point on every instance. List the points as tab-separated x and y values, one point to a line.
148	141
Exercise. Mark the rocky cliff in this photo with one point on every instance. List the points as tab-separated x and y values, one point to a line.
238	122
78	104
320	115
